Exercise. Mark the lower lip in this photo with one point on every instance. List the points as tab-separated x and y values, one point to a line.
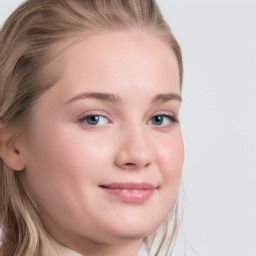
131	195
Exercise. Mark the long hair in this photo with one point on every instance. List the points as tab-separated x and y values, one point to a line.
26	40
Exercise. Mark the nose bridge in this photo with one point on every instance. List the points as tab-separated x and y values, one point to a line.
135	148
136	140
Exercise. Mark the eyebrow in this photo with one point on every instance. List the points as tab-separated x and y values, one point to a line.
164	97
109	97
96	95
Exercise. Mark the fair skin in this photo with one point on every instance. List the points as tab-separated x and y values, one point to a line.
106	181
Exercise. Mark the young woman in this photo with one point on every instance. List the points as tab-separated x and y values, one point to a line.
90	141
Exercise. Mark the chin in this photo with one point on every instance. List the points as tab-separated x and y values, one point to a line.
135	232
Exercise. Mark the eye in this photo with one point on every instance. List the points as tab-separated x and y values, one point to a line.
163	120
93	120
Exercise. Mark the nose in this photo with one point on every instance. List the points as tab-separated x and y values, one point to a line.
135	150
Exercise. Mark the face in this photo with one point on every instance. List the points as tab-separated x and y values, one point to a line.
105	153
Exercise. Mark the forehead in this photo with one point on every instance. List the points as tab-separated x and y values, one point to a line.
121	58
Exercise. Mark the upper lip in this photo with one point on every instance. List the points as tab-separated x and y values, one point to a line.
129	185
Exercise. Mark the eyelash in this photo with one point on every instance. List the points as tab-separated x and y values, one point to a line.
172	118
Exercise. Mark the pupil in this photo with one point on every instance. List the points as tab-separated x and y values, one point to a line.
93	120
158	120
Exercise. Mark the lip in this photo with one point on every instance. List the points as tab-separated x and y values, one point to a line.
130	191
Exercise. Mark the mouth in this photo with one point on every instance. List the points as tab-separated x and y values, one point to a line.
130	192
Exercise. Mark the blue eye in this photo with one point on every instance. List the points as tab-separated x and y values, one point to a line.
163	120
93	120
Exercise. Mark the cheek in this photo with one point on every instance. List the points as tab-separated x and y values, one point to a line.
66	159
170	158
62	169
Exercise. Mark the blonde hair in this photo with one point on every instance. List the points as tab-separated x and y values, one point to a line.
25	40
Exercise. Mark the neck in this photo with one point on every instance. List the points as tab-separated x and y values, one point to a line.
74	248
125	249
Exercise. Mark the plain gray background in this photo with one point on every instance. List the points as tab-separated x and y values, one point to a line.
218	40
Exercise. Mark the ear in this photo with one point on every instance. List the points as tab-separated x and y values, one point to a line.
10	152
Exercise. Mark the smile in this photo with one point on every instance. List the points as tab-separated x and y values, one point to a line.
130	192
